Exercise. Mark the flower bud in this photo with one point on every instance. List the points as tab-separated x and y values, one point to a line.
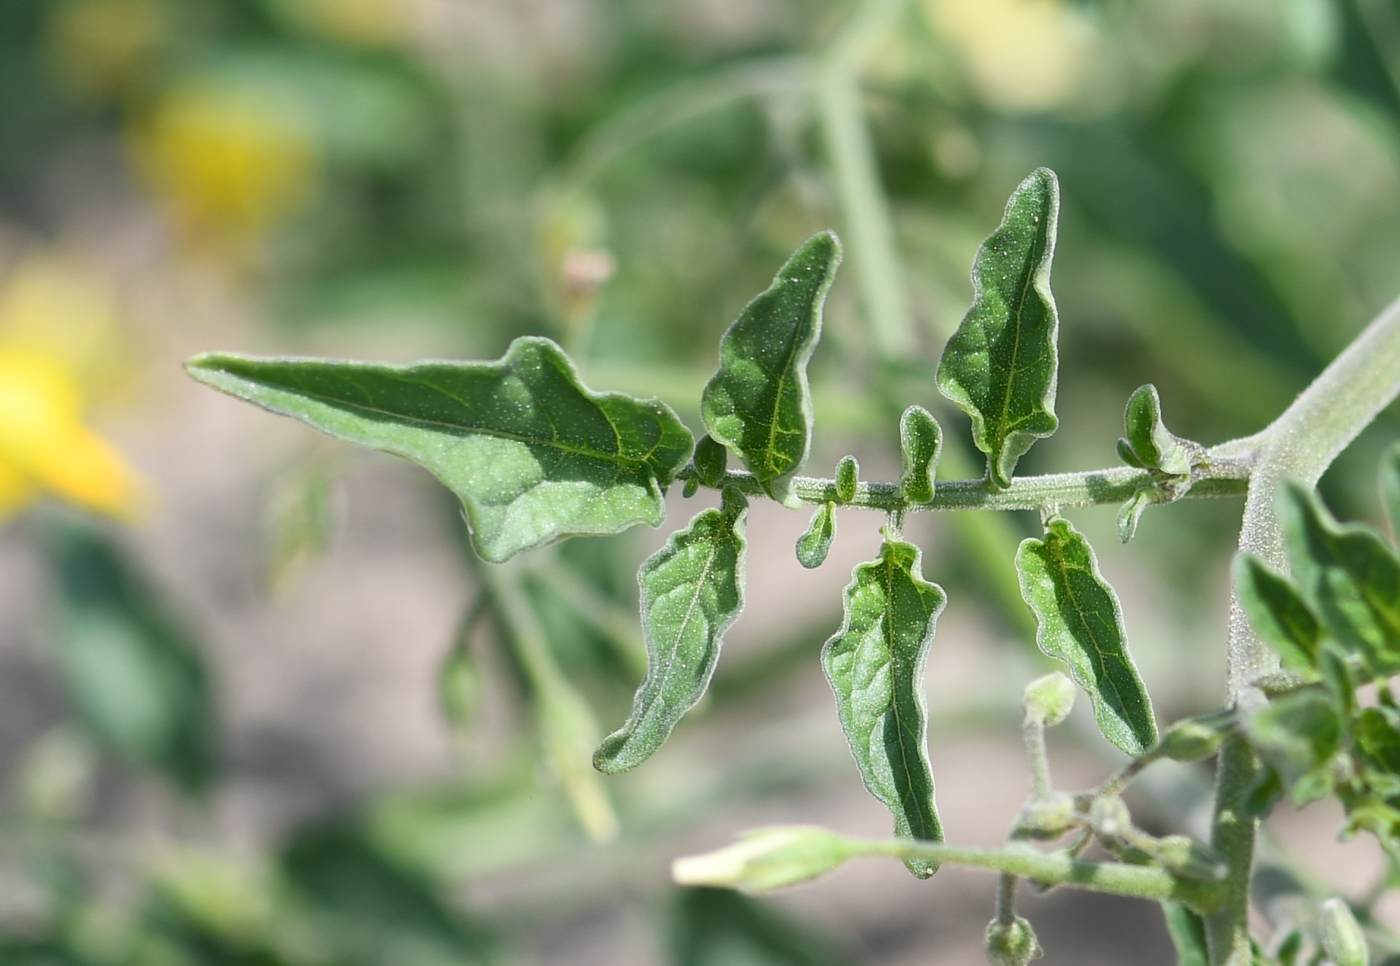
766	859
1341	935
1049	700
1011	943
1110	820
1047	819
1185	857
1192	739
847	473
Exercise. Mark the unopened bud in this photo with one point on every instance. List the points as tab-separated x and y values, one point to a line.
711	459
1341	935
766	859
1185	857
1048	818
1049	699
1192	739
1011	943
1110	820
847	476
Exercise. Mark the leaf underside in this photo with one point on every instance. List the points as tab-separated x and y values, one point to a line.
759	403
1348	575
1080	622
533	454
875	664
1001	365
692	591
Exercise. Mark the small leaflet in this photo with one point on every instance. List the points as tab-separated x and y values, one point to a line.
875	664
1149	444
759	403
847	479
1079	621
815	543
1349	577
692	591
920	441
533	455
1001	365
1277	613
711	459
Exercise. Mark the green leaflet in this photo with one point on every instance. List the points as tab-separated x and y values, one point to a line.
815	543
692	590
758	403
920	441
847	479
875	664
1000	366
1080	623
1348	576
1277	613
1188	932
1149	444
533	454
711	460
1377	733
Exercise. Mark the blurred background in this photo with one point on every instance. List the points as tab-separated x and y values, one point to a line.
257	703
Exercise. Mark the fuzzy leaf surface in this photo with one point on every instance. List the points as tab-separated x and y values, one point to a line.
1079	621
1149	440
875	664
533	454
815	542
1296	735
1277	613
1390	489
692	591
1001	365
1348	576
920	442
759	403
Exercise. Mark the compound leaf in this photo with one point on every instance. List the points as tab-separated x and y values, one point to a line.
875	664
692	590
1000	366
920	441
1348	576
758	403
815	542
1277	613
532	453
1080	622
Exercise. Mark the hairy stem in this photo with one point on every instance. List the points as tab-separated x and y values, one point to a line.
1057	868
1300	444
1055	491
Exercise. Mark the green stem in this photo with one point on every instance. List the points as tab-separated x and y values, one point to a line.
1057	868
1300	445
1056	491
867	224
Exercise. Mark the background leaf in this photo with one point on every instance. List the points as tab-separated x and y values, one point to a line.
1001	365
1348	576
1390	489
759	403
920	441
533	454
1277	613
692	591
721	927
137	681
1080	622
875	664
1297	735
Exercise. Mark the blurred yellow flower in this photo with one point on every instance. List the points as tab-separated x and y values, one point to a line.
1021	55
51	319
231	161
